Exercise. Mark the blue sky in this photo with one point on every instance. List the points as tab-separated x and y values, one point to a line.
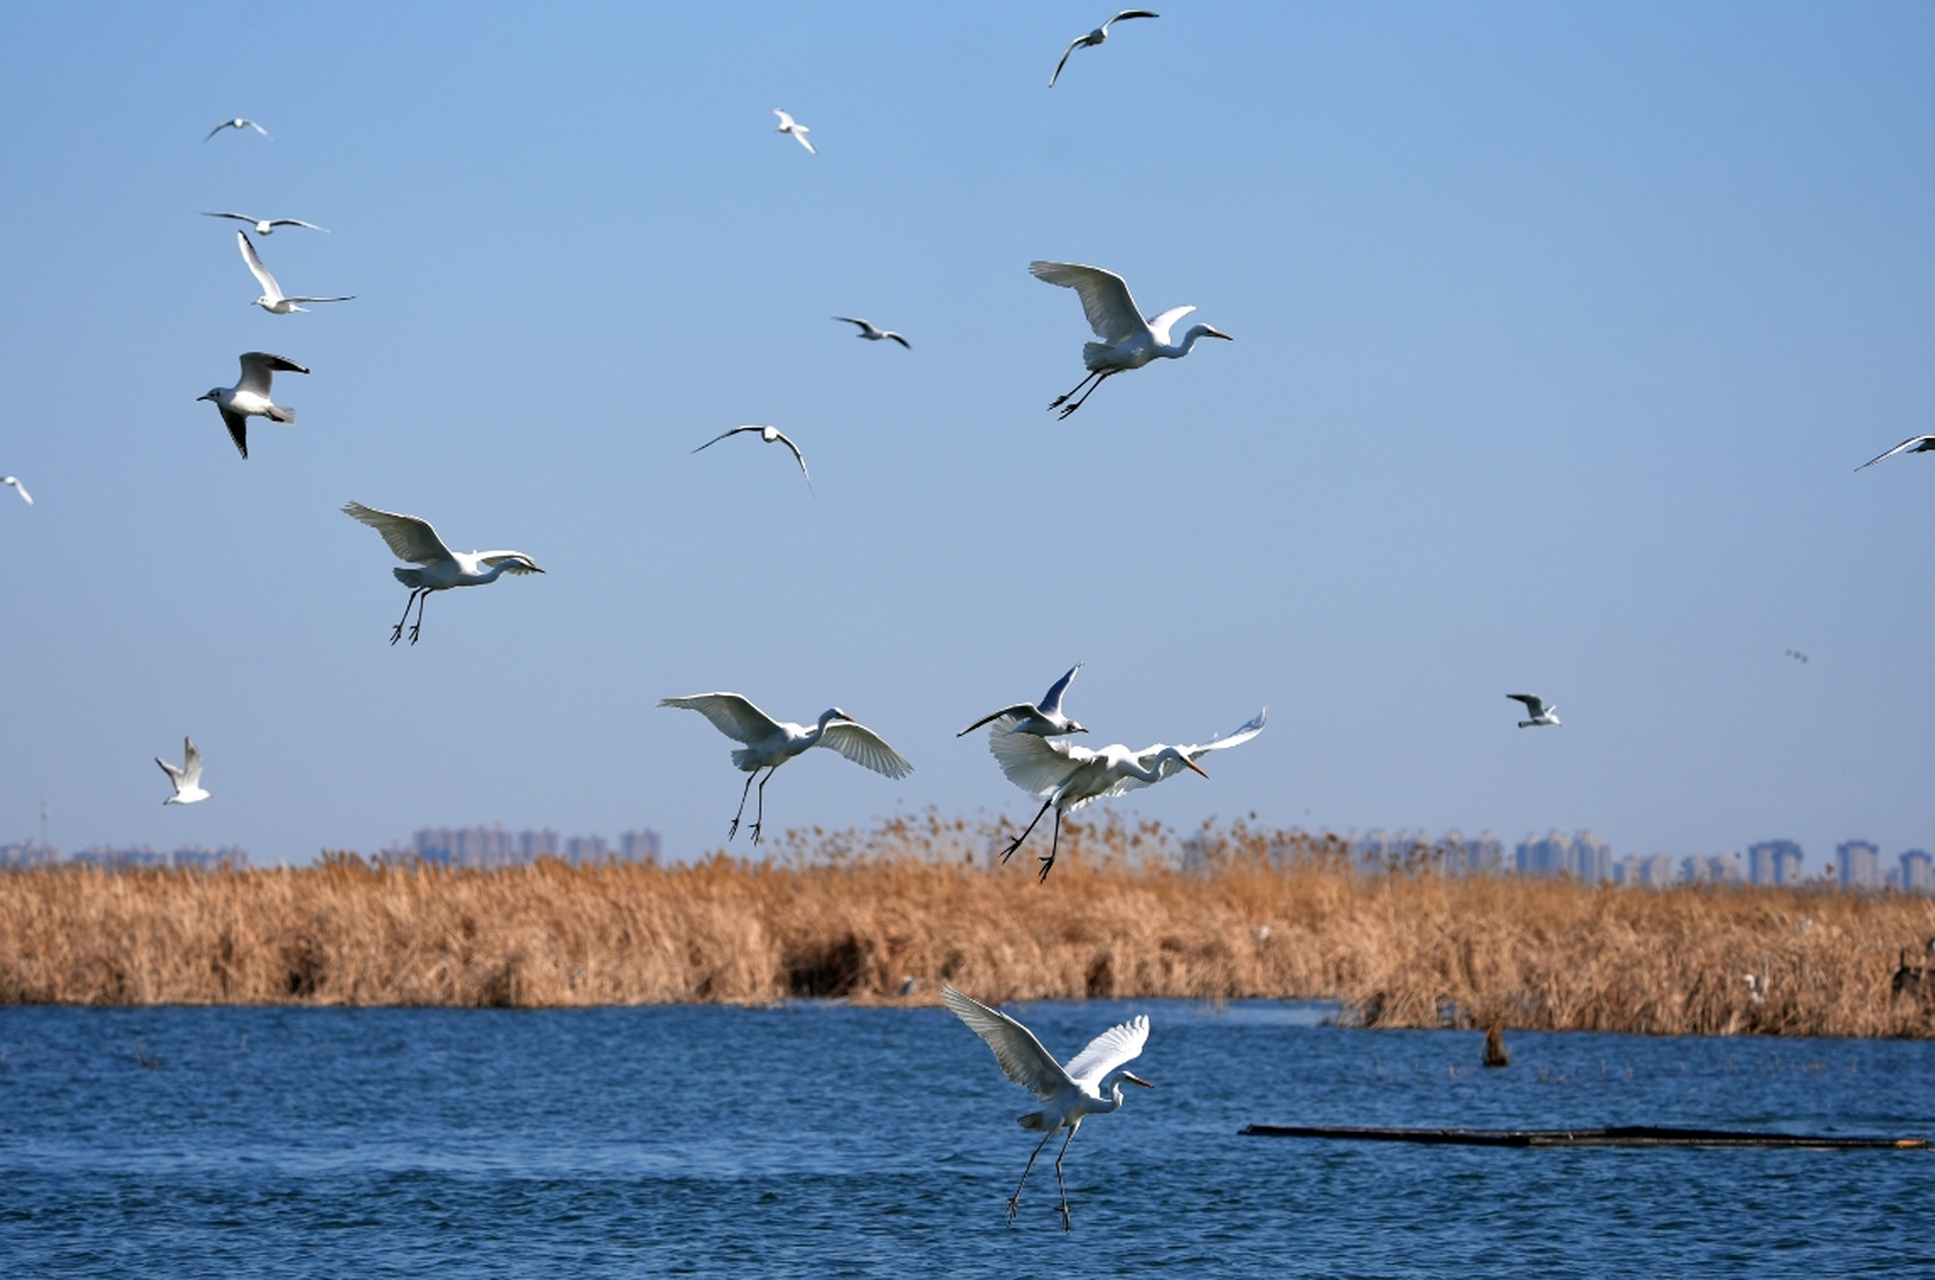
1560	331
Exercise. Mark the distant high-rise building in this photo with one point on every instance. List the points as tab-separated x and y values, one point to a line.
1710	868
1774	862
1591	858
1859	862
1917	873
1582	856
495	847
638	846
1654	871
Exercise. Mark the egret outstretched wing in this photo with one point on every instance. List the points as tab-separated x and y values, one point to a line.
1162	324
1119	1044
410	537
864	747
1015	1047
731	714
1105	298
1249	730
1037	765
513	561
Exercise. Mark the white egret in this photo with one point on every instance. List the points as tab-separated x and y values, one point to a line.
1913	444
1127	340
240	123
771	435
411	538
1044	718
873	333
771	743
1090	1085
267	226
272	300
249	397
1537	708
1098	36
799	131
13	482
188	778
1068	776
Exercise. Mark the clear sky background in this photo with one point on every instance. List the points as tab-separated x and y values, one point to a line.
1560	330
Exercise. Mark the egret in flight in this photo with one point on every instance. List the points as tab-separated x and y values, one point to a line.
1044	718
13	482
272	299
249	397
267	226
1127	340
240	123
872	333
771	435
771	743
799	131
1068	776
1090	1085
1913	444
1098	36
188	778
1537	708
411	538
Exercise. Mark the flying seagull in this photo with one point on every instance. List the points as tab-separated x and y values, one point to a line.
240	123
267	226
1537	708
1095	37
1044	718
1127	340
1090	1085
188	778
249	397
771	435
1914	444
789	125
272	299
18	487
872	334
411	538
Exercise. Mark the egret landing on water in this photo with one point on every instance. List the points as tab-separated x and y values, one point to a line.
188	778
1536	707
272	300
1090	1085
1069	776
1098	36
249	397
1127	340
1045	718
412	539
771	743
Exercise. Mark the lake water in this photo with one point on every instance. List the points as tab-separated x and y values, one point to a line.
824	1140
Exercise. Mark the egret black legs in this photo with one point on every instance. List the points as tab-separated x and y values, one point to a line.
422	600
1048	863
1014	1201
1016	842
397	634
744	791
759	816
1059	401
1101	377
1058	1174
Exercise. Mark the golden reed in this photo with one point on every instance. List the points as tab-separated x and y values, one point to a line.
1268	914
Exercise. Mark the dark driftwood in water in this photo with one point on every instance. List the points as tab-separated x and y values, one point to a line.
1634	1135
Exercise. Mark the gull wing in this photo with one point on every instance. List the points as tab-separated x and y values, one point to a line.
410	537
800	131
1037	765
1918	444
723	434
348	297
865	747
1018	711
865	326
239	217
259	368
1126	14
1162	324
1051	79
174	774
191	763
1105	298
902	341
513	561
798	457
1051	702
1534	704
18	488
1119	1044
785	121
295	222
238	429
731	714
259	129
1021	1056
261	273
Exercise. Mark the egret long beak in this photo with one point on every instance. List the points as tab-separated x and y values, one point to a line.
1218	333
1192	764
1132	1078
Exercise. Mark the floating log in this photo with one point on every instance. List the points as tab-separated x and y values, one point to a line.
1631	1135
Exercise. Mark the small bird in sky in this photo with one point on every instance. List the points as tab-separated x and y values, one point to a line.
799	131
188	778
771	743
267	226
1537	708
19	488
1044	718
1913	444
872	334
411	538
1090	1085
1797	655
249	397
1098	36
239	123
272	299
771	435
1127	340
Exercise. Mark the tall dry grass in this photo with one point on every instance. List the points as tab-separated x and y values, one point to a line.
1272	915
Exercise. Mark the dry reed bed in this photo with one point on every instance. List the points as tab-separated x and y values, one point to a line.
860	914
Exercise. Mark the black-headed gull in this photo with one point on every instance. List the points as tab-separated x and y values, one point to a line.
13	482
799	131
1044	718
411	538
239	123
771	435
272	299
872	333
1536	707
1098	36
267	226
249	397
188	778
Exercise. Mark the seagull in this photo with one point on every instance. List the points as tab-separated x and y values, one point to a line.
771	435
412	539
872	334
789	125
1068	776
1536	708
1095	37
1090	1085
267	226
1914	444
240	123
1127	340
272	300
188	778
249	397
20	488
1045	718
771	743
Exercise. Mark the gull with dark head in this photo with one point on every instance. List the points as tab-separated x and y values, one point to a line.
1540	711
1127	340
873	334
1913	444
239	123
1098	36
771	435
799	131
267	226
249	397
411	538
13	482
273	300
1044	718
188	778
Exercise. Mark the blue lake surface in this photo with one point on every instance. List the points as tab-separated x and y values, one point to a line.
816	1139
